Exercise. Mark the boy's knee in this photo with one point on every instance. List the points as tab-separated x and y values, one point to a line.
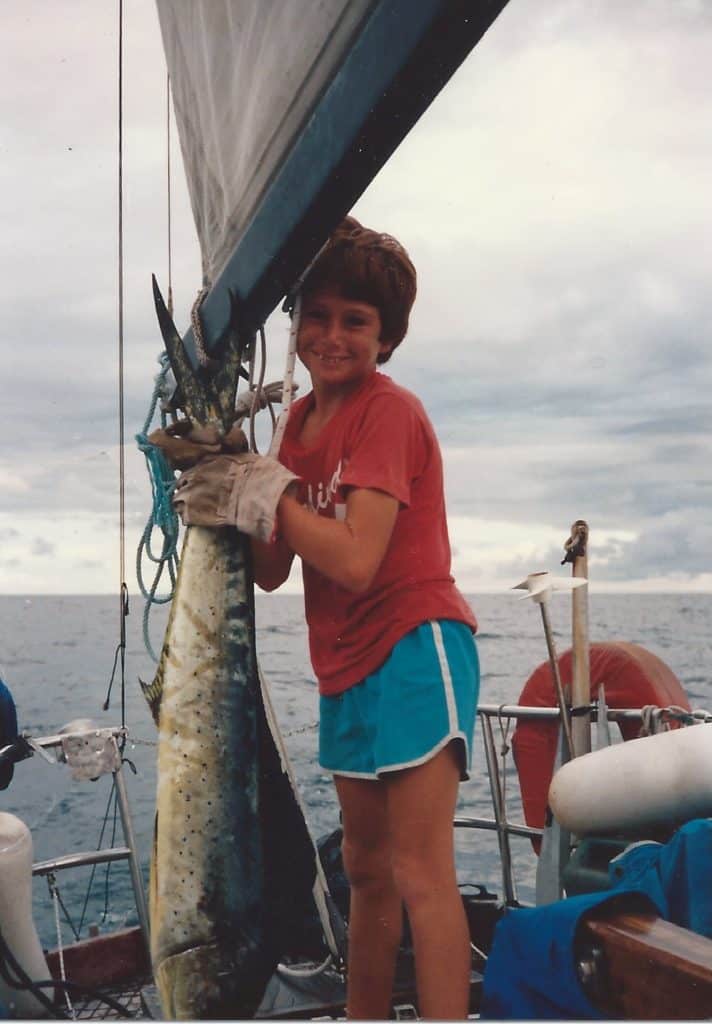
423	872
413	877
366	866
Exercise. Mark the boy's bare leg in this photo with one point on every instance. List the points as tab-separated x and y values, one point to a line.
421	806
376	915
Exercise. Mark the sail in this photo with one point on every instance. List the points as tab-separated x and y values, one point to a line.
245	77
287	110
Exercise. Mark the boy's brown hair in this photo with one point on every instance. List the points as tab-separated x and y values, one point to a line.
367	266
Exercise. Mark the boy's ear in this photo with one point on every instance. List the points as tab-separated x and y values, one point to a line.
385	348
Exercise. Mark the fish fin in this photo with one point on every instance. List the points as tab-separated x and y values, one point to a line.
153	693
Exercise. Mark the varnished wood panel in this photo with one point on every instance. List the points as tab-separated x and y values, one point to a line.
651	969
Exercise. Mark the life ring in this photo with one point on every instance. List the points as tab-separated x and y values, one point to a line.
632	677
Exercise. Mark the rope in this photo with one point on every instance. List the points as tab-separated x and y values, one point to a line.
67	915
575	546
650	720
655	719
162	516
60	948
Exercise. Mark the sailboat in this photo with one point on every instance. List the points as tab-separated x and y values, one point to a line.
297	159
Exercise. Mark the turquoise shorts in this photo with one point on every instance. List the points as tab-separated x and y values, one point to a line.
422	696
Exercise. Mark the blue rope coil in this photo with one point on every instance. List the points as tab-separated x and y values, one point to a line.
163	516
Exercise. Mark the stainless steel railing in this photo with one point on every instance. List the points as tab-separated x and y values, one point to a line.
500	822
128	852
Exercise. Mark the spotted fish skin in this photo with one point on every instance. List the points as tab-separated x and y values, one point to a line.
206	876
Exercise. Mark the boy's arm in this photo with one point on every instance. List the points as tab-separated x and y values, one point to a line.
271	563
348	551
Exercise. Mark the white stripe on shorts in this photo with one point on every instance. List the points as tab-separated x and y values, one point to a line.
447	678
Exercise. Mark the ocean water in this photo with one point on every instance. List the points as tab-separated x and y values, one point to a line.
56	655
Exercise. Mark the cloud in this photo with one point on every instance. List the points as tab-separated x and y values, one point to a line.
555	201
42	547
11	483
674	544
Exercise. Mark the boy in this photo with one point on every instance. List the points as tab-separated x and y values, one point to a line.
390	635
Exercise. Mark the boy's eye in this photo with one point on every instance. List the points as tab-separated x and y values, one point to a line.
355	320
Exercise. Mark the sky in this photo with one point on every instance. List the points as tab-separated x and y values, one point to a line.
555	200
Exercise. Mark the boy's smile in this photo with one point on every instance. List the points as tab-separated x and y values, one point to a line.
339	340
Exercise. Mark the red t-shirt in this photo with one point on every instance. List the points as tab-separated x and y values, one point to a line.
380	438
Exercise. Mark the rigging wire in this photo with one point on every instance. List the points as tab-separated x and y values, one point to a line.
168	194
123	589
56	898
113	797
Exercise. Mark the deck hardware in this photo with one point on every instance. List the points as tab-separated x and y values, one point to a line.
540	586
103	738
405	1011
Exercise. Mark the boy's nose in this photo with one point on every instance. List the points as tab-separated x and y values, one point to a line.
331	329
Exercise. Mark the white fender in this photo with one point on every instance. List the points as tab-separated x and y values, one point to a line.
646	783
16	922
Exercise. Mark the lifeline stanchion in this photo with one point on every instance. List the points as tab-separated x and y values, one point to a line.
540	586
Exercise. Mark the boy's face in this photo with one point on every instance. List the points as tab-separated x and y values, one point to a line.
339	339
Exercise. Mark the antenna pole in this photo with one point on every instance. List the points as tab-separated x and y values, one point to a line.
580	663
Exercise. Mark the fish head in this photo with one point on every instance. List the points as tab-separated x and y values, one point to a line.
205	393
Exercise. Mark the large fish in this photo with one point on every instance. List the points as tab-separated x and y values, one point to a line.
233	866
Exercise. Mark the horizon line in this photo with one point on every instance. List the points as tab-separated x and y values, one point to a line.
598	588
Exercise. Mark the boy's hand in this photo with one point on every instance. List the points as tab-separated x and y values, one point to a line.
270	393
233	490
185	446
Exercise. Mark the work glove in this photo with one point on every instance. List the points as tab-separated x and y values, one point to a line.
233	490
270	394
185	445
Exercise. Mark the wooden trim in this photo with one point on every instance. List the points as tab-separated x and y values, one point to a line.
649	969
103	960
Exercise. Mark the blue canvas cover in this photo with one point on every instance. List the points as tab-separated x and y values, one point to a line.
675	876
8	731
531	972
